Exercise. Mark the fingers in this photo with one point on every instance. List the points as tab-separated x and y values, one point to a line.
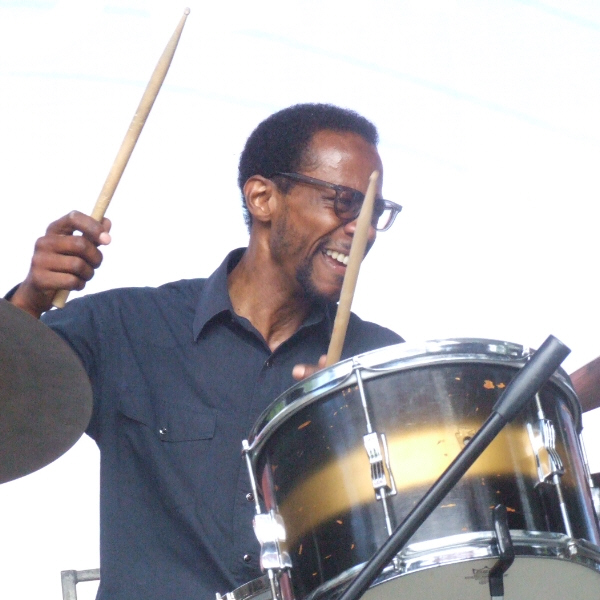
94	231
63	263
62	260
53	247
300	372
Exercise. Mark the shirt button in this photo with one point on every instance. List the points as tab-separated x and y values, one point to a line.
269	363
247	558
249	497
163	431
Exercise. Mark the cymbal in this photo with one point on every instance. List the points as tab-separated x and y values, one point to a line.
45	394
586	382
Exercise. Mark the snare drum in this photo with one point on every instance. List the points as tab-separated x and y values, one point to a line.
344	455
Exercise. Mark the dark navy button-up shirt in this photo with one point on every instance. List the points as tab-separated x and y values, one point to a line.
179	380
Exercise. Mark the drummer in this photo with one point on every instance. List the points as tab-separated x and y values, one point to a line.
180	373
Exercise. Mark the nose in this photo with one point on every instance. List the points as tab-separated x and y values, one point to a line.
350	229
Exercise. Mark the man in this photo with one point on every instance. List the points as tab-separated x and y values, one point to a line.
180	373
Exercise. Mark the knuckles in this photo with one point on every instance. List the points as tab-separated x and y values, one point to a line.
66	254
77	266
77	221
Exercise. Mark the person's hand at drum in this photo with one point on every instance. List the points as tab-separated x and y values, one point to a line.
62	261
300	372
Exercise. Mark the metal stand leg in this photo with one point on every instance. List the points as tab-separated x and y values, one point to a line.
70	579
506	553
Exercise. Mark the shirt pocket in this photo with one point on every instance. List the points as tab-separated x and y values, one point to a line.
165	449
171	421
184	423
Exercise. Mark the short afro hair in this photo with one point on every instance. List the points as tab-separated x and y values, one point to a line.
279	144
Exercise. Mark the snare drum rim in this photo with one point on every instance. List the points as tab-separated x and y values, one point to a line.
470	547
399	357
249	590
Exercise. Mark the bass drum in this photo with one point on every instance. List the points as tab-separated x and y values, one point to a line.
343	468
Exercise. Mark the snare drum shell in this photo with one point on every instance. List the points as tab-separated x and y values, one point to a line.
313	468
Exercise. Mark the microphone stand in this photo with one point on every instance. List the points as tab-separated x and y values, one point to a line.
521	389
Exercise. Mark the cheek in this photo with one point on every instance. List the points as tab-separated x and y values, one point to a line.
299	232
286	239
372	238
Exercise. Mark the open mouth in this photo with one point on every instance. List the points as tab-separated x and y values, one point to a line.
339	256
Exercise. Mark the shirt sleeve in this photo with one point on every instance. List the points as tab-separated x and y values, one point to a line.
78	324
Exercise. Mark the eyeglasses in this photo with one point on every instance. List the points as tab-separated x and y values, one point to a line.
347	201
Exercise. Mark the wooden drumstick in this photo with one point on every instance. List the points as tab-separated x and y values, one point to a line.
132	135
357	253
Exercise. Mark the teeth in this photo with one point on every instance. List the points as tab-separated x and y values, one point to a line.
341	258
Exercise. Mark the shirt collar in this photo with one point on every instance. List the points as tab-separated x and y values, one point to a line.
214	299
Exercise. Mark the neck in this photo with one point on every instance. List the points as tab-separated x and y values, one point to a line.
259	293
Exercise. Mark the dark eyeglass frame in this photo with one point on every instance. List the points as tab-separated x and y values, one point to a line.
348	215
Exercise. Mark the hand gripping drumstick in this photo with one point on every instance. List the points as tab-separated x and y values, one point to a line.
132	135
357	253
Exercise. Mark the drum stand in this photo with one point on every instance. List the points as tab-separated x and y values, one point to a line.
506	553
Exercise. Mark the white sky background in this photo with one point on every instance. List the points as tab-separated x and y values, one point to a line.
489	117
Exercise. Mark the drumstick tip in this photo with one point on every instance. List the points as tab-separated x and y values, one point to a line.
186	12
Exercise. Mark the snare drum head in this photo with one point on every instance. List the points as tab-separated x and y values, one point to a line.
310	457
527	579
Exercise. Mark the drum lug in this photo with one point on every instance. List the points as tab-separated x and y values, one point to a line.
377	459
548	462
270	532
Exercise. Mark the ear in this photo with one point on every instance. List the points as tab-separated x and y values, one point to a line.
260	194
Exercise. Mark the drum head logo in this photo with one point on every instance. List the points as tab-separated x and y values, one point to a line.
481	575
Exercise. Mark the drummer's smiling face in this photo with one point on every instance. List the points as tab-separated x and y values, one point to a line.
306	231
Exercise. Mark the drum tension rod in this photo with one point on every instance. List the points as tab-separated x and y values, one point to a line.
506	553
269	530
378	460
